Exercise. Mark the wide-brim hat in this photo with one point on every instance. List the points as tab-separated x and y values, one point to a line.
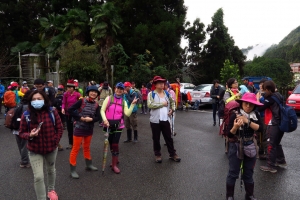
250	98
157	79
14	84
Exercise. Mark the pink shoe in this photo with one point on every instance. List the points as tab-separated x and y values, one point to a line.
52	195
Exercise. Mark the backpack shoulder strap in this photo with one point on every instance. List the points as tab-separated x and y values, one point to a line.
277	101
167	93
51	114
27	115
153	95
82	105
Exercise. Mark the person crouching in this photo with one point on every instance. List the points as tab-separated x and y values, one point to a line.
85	112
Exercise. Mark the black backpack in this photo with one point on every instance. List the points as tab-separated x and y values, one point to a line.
16	119
58	102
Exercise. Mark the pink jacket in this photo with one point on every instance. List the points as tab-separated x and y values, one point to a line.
115	111
69	99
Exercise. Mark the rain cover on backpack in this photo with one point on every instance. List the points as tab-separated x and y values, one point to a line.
230	108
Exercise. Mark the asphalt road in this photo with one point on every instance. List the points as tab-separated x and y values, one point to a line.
200	175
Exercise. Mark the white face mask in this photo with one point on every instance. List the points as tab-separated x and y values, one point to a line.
37	104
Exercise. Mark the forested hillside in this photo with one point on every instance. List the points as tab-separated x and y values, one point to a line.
288	48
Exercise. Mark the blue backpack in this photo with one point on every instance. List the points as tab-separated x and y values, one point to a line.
289	121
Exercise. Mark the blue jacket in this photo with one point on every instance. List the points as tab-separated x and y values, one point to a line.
129	98
2	90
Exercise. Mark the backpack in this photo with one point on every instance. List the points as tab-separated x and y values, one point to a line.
58	102
9	118
10	99
196	105
230	108
138	95
16	119
289	121
27	115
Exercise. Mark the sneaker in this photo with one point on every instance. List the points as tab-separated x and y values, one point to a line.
135	140
280	164
52	195
176	158
268	169
25	165
158	159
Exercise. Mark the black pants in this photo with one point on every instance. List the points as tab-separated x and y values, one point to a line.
164	127
215	107
235	164
144	106
62	117
275	152
70	128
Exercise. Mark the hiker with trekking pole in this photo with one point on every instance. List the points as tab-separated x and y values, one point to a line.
243	145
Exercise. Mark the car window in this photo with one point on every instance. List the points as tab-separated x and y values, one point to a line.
189	86
201	87
297	90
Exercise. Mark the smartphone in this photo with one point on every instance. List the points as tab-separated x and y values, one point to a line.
39	126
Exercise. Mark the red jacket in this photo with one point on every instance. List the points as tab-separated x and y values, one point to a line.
48	137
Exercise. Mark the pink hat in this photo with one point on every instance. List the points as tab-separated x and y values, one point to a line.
251	98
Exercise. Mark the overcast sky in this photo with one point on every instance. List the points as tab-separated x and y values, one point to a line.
250	22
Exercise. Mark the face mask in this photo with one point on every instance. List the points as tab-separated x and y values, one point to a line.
37	104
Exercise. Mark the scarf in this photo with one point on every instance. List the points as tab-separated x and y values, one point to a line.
250	115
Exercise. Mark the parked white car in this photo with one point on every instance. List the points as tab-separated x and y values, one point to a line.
186	87
202	93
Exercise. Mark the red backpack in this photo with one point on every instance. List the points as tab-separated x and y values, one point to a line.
9	99
230	108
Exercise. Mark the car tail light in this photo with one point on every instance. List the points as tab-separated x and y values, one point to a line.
207	94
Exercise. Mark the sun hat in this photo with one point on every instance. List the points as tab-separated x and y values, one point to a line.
250	98
120	85
14	84
155	80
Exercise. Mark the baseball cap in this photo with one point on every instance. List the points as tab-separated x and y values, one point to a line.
50	81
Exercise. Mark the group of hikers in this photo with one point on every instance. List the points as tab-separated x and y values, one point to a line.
39	118
250	124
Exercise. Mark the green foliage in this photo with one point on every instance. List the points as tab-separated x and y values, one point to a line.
79	61
278	69
229	71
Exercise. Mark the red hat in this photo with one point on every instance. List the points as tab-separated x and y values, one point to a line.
127	84
71	83
157	79
14	84
60	87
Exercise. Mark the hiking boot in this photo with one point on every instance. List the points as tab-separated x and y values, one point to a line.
25	165
52	195
263	157
176	158
73	172
59	147
114	166
280	164
89	165
135	133
268	169
158	159
128	136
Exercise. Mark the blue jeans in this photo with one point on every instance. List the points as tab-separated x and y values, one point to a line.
37	165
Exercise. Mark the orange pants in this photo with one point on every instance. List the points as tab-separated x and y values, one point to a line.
76	146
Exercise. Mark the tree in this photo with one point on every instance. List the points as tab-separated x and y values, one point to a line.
219	47
278	69
154	25
80	61
229	71
105	27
